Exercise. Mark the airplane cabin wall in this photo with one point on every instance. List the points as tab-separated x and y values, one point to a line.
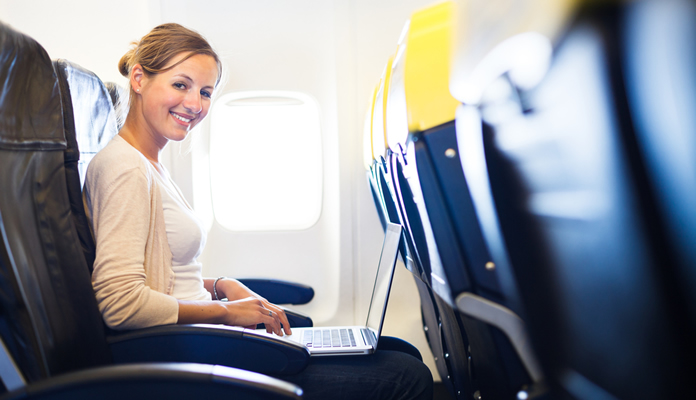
334	51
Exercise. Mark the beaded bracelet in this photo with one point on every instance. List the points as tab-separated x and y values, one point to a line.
215	287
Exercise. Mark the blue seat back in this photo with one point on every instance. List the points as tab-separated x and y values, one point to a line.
582	218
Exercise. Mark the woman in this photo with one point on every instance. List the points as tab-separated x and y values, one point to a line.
148	238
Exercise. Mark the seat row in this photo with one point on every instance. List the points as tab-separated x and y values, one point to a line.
540	156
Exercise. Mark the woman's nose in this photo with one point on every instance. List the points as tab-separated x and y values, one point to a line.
193	102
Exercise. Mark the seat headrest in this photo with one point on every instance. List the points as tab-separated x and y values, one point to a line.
90	119
30	108
118	95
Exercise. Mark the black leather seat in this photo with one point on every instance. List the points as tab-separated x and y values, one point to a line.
53	339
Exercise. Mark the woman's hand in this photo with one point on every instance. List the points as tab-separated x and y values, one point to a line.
234	291
246	312
250	311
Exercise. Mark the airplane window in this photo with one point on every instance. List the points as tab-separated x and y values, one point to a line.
265	161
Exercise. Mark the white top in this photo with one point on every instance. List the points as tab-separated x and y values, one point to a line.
186	236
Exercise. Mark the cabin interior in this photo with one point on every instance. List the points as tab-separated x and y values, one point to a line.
539	155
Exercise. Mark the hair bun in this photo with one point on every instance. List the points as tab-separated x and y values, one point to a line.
125	64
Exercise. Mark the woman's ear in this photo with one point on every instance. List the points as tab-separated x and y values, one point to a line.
136	77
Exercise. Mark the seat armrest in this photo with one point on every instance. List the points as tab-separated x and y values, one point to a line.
396	344
209	344
161	380
298	319
508	322
280	292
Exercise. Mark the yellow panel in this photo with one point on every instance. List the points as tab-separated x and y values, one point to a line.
367	133
379	140
396	114
385	96
426	74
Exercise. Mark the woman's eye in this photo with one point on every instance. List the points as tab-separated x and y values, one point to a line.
180	86
206	93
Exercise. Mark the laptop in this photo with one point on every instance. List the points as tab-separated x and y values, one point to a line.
356	340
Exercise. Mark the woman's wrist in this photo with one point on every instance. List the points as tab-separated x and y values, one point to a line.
230	289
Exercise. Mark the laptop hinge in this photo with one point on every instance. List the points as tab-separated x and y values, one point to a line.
369	337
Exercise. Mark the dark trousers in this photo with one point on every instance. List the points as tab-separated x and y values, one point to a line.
384	375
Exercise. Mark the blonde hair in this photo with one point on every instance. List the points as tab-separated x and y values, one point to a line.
157	49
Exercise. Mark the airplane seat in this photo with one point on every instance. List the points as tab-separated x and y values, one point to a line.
382	186
448	341
387	342
52	340
91	122
460	260
392	188
368	161
373	148
658	55
561	152
380	154
117	94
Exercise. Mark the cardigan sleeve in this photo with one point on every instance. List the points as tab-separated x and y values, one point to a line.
118	200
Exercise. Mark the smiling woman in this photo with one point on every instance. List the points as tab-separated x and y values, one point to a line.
148	239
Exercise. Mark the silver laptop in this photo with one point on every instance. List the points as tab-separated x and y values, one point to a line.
356	340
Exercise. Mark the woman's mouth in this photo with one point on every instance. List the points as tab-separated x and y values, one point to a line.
182	119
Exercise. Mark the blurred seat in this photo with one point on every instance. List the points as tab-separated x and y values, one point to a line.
500	361
52	341
579	154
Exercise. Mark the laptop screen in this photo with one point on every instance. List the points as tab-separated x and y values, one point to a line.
385	272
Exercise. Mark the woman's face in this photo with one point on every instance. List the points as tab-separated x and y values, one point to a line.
176	100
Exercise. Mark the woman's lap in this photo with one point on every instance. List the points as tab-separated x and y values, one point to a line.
383	375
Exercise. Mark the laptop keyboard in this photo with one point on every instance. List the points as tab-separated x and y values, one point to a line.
324	338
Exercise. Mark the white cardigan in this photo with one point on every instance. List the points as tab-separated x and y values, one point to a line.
133	278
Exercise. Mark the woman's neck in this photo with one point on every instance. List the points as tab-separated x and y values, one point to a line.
141	141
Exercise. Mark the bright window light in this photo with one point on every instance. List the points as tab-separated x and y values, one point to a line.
265	161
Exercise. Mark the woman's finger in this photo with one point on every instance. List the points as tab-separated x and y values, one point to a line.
274	323
282	317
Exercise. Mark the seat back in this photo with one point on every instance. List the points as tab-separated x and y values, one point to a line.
89	123
444	340
577	206
659	55
415	79
50	321
461	262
